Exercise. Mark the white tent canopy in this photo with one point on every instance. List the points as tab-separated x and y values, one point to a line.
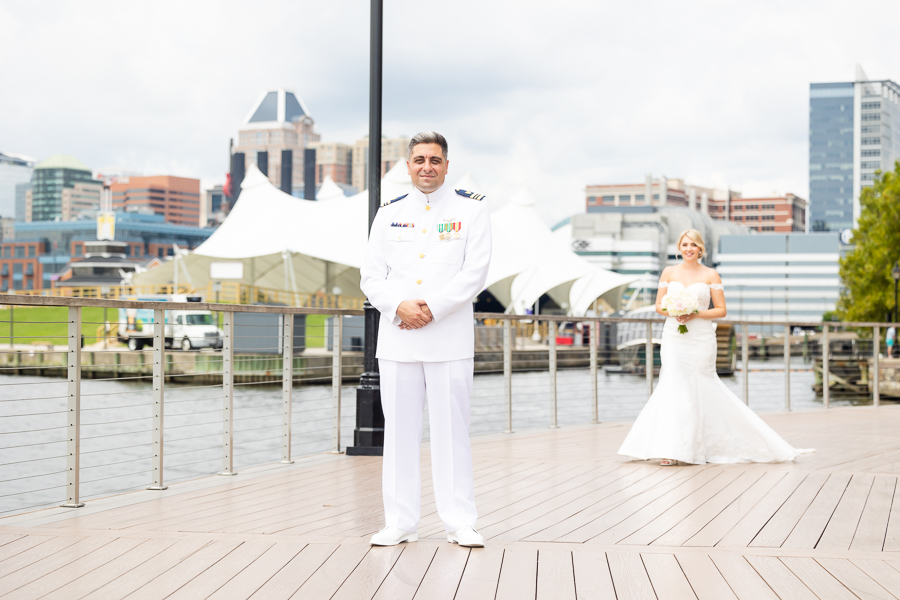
296	245
553	268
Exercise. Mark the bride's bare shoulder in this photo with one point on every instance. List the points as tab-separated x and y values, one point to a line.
713	275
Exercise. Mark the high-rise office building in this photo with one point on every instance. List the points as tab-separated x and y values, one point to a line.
177	199
63	188
850	126
278	121
15	169
393	150
22	192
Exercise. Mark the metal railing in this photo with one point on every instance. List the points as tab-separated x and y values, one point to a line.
148	418
225	292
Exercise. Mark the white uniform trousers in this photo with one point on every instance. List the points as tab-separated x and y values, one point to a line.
404	387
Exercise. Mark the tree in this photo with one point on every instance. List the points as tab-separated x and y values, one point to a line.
868	293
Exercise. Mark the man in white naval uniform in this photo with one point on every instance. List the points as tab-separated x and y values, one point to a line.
427	259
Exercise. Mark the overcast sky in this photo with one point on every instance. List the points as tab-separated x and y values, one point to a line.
553	96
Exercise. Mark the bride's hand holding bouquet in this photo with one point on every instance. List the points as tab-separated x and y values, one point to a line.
682	305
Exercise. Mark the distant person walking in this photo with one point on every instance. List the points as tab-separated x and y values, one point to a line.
891	340
427	259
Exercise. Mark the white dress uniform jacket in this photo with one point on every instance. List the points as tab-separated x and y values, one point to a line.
436	247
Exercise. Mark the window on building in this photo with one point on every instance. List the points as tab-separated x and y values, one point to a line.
17	284
29	269
624	198
871	141
609	199
867	153
871	117
20	252
6	252
638	197
31	251
5	270
871	164
29	283
5	286
656	196
871	105
79	249
161	252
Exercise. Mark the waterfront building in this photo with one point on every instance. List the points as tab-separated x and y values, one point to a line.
15	170
278	121
780	277
103	264
177	199
638	240
764	215
63	188
334	160
850	126
42	250
393	150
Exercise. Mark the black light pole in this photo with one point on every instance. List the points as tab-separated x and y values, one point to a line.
368	437
895	273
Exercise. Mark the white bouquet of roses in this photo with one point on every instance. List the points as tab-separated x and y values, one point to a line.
679	305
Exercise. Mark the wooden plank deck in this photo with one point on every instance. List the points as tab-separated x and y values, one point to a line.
563	515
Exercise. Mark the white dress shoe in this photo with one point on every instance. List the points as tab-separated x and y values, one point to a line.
468	537
391	536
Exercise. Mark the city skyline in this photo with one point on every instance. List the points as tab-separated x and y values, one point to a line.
719	97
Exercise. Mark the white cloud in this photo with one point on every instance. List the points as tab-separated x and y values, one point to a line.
552	98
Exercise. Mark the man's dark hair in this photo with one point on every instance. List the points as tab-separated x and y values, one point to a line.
427	137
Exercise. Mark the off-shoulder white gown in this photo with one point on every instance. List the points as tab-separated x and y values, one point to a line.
691	416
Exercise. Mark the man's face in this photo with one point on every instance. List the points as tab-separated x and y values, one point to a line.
427	167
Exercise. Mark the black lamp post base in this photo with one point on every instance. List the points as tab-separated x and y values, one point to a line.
365	450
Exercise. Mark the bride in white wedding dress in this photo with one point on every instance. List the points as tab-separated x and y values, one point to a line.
691	416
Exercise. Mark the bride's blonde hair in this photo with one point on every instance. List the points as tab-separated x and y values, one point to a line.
693	235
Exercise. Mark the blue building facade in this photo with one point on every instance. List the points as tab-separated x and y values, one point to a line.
831	156
42	249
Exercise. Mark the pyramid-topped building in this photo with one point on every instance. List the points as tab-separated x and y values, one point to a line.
278	121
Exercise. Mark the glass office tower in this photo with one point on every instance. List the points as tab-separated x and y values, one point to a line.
50	179
850	139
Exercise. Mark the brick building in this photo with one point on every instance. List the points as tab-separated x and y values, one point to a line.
777	214
177	199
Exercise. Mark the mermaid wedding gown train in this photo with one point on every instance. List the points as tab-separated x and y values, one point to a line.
691	416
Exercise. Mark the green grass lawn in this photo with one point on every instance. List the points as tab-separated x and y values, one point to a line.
49	324
316	330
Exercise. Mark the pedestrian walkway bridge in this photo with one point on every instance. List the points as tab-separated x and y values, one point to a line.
563	515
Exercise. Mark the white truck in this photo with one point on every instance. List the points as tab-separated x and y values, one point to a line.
186	329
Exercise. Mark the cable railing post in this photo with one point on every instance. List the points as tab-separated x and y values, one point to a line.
228	398
826	393
336	380
507	373
787	367
745	361
73	446
648	356
287	387
159	383
595	410
876	377
552	329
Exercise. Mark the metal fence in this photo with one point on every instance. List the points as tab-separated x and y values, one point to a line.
80	418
